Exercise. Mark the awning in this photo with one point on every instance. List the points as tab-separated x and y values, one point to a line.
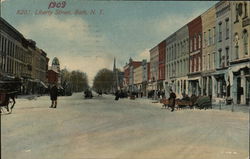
43	84
236	68
194	78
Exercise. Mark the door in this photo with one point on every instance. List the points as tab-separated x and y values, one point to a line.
239	90
247	90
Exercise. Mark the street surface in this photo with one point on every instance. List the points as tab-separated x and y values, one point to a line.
102	128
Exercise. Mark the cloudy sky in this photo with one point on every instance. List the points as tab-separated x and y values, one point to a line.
89	42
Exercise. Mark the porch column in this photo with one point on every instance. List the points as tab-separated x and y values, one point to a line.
214	90
243	85
234	89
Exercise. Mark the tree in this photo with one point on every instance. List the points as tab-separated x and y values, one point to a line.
103	80
77	79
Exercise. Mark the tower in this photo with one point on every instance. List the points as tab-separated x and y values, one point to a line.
56	67
115	77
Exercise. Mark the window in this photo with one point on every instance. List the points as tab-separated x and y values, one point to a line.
205	40
199	41
214	36
175	48
227	28
213	61
236	45
245	6
236	13
190	66
220	33
245	42
209	37
198	63
195	41
209	61
219	51
204	62
191	45
227	57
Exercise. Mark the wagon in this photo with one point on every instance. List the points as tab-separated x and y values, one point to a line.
203	102
183	103
179	103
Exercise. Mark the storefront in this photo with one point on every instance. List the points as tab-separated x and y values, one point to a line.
194	85
239	75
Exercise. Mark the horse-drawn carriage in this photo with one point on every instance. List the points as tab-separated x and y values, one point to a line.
200	102
88	94
8	92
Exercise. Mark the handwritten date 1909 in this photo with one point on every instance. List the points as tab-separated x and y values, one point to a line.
57	4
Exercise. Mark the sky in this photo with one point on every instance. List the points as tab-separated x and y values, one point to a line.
88	35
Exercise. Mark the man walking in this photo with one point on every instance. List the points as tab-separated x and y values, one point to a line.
53	96
172	97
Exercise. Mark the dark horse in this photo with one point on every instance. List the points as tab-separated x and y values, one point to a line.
6	100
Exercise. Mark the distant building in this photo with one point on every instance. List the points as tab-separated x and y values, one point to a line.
161	65
54	73
195	54
52	76
138	75
129	75
154	66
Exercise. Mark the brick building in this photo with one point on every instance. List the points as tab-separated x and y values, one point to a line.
195	56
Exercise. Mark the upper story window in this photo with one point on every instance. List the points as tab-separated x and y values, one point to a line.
199	38
209	37
227	28
245	7
236	9
220	32
214	35
195	42
245	42
205	39
220	57
236	45
227	56
191	45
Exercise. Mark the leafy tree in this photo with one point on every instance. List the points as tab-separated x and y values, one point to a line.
77	79
103	80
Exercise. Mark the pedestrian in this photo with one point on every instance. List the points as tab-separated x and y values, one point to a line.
172	97
117	95
53	96
159	94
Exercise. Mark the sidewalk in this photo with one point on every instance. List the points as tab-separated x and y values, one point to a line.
233	108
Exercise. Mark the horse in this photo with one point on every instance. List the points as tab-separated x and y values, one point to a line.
5	101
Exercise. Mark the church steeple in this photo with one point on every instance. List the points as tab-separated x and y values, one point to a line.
114	67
